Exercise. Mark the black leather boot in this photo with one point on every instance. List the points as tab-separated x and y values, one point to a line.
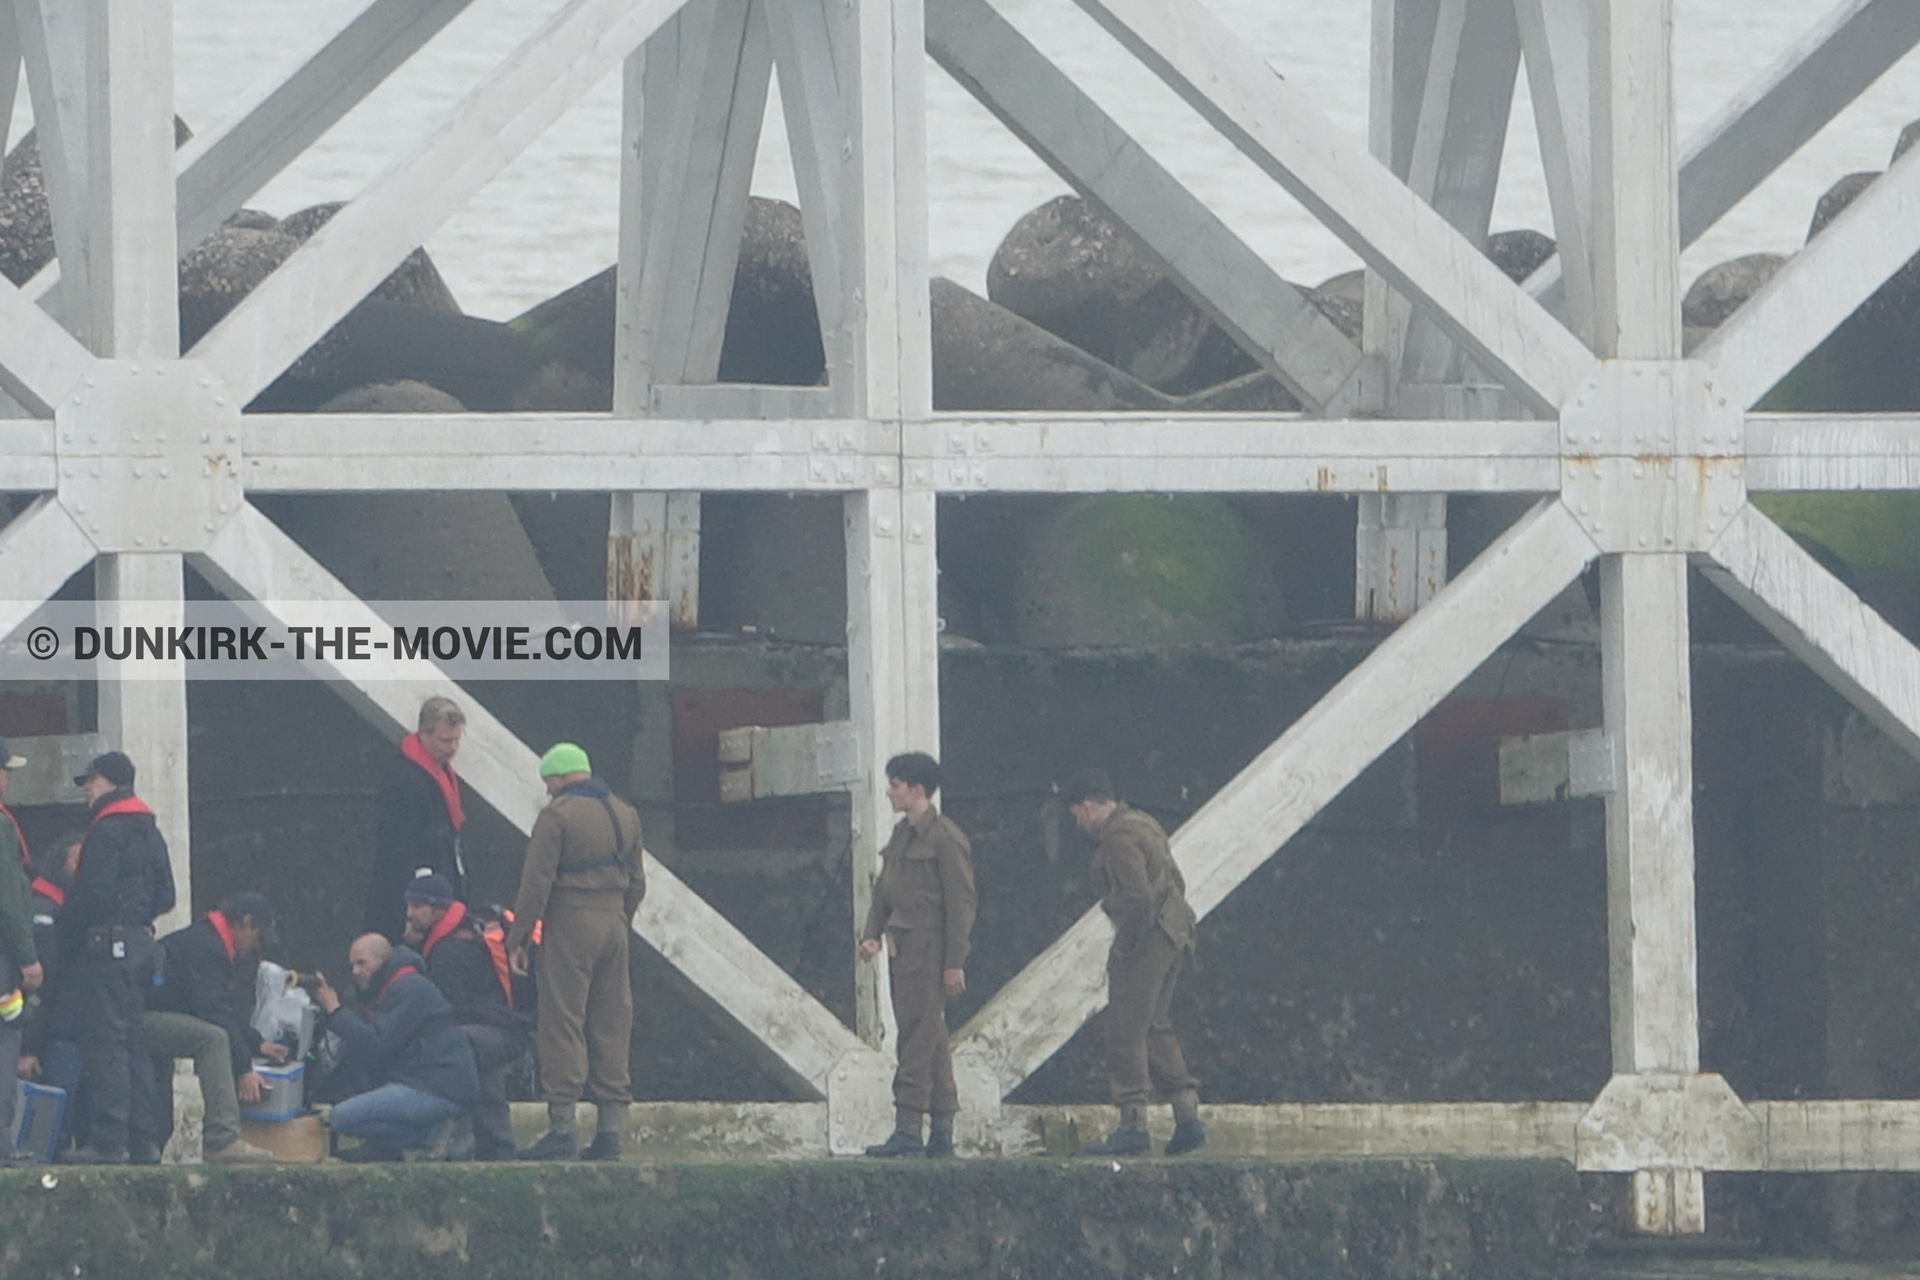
1130	1139
905	1138
1188	1133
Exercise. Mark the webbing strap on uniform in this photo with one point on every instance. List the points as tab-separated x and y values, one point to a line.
618	858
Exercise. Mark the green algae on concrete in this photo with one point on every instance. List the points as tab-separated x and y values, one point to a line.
1377	1220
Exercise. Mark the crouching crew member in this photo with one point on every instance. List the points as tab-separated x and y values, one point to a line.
923	907
106	944
462	960
1144	894
403	1046
196	1013
583	879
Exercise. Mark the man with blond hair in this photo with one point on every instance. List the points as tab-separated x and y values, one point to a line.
418	818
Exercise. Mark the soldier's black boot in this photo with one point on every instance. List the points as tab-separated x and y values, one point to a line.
1130	1139
940	1134
1188	1133
905	1138
608	1126
558	1142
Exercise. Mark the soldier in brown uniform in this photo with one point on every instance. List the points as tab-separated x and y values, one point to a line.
582	882
923	907
1143	893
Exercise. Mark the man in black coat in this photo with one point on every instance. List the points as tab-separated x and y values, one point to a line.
418	817
105	936
404	1045
477	983
199	1011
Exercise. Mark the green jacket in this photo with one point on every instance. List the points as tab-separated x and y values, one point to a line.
16	906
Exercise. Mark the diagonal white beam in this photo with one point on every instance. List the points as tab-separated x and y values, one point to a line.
696	94
1354	195
1781	109
366	240
1065	127
289	109
53	48
1821	621
815	99
1773	115
1555	38
39	361
39	551
253	559
1262	808
1819	288
1458	145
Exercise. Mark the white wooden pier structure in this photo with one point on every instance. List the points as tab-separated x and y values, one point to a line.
1573	388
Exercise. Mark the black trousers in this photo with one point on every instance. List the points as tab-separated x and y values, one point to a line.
109	1004
494	1050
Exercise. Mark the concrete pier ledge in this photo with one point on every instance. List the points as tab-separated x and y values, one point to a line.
1045	1219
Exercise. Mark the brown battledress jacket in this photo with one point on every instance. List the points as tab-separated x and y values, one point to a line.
927	883
1139	883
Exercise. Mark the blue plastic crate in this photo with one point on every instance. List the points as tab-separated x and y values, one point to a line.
38	1110
285	1096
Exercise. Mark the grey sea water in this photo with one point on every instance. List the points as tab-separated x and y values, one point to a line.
550	217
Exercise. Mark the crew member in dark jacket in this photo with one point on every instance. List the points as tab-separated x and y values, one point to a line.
581	882
923	906
199	1012
106	943
50	1045
20	970
418	817
405	1046
1144	894
478	985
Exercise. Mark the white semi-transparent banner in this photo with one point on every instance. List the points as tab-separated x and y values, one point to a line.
464	640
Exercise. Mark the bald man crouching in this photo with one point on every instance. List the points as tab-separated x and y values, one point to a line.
403	1048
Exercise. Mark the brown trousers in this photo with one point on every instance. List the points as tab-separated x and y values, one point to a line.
585	1028
1142	1054
915	967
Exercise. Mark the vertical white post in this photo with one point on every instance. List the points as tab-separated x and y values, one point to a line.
1647	684
694	97
147	717
1636	182
130	311
892	642
1400	554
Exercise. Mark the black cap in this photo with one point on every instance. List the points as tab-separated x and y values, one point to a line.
114	766
258	908
8	760
432	887
1088	784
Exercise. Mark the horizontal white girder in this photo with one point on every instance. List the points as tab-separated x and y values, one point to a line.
1031	453
1810	452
